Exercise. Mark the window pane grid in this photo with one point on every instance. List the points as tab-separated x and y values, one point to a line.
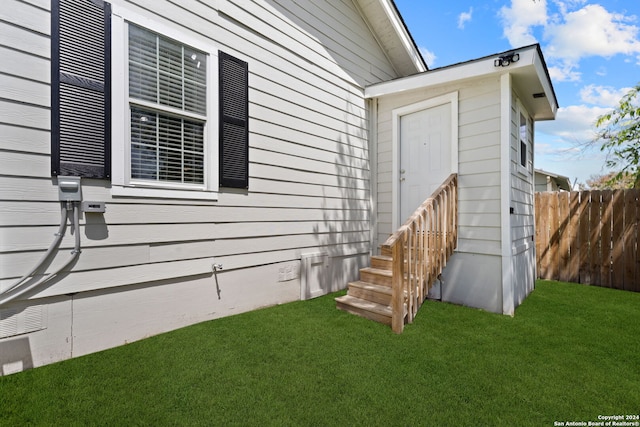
167	90
143	75
165	72
166	148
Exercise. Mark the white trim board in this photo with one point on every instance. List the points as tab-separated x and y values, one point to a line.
123	185
505	196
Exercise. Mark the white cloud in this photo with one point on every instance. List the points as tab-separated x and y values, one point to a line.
429	57
565	72
577	163
519	19
602	71
591	31
576	31
573	124
566	146
605	96
464	17
573	30
564	6
557	149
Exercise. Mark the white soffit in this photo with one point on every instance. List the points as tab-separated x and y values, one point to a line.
393	36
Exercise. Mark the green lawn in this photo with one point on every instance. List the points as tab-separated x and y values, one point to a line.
571	353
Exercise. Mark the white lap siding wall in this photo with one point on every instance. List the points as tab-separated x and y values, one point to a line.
146	263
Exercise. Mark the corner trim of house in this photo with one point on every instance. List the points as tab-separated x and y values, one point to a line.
505	196
372	111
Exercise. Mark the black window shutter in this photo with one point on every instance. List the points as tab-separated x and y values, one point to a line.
81	88
234	121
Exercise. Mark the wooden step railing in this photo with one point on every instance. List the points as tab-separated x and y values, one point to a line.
420	249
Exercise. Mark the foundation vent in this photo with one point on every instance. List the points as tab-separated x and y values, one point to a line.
22	320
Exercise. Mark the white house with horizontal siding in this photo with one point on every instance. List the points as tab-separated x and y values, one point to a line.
167	163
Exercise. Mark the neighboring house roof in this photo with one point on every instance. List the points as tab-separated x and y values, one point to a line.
391	32
530	78
561	182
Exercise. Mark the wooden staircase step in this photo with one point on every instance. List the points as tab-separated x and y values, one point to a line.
419	254
368	291
367	309
382	262
376	276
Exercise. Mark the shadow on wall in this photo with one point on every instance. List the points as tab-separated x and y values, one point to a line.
95	226
15	356
346	234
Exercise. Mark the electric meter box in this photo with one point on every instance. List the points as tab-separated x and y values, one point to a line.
69	189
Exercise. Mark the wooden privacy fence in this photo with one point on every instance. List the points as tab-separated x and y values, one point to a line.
589	237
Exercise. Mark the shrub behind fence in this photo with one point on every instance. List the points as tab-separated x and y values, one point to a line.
589	237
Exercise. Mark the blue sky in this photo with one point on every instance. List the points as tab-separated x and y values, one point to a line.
592	50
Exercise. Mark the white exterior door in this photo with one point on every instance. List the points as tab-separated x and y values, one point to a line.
425	155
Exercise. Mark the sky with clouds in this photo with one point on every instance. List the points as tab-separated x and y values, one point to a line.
591	47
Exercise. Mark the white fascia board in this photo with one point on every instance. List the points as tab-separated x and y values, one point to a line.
403	34
506	101
543	77
551	174
456	72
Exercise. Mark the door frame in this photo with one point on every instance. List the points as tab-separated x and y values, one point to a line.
396	114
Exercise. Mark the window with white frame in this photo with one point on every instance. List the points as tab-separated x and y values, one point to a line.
168	109
151	106
524	141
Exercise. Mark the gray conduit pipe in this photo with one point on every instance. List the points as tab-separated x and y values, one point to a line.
59	235
15	291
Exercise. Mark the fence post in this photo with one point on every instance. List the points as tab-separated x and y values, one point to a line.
595	260
542	234
618	241
554	237
584	272
606	218
573	231
630	238
562	272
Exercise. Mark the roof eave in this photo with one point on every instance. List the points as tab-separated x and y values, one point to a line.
530	77
561	181
392	34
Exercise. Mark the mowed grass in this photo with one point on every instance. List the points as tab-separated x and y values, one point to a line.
571	353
